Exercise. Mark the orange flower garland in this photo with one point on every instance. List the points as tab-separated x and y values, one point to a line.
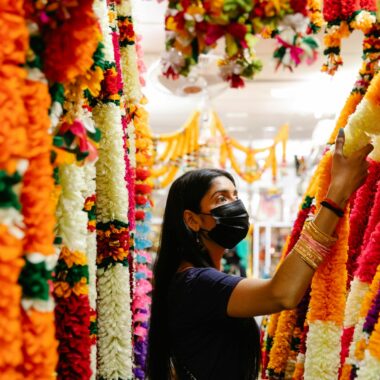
13	140
326	309
40	356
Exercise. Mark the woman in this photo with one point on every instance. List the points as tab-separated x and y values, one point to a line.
202	324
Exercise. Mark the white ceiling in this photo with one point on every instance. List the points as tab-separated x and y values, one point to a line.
300	98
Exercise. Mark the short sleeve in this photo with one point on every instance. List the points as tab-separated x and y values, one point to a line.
208	292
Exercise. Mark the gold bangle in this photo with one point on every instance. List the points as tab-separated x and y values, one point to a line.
318	235
306	259
308	254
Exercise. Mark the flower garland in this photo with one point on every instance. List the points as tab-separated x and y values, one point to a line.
358	221
314	13
359	215
337	29
362	124
70	24
13	118
193	28
90	208
144	185
39	346
293	43
326	310
371	364
371	55
365	274
71	279
368	316
288	319
114	313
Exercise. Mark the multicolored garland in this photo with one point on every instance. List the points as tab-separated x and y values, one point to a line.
287	321
193	28
71	284
114	312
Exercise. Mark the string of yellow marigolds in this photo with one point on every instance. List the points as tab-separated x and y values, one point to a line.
180	150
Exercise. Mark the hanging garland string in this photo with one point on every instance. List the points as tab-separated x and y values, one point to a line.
182	145
113	276
71	284
251	173
362	292
13	163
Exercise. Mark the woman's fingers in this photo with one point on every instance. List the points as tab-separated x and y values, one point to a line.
339	142
364	152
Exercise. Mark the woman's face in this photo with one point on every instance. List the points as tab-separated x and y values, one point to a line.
221	192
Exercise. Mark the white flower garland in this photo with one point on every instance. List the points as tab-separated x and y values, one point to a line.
101	11
327	335
89	190
369	369
352	313
112	194
114	321
113	291
72	220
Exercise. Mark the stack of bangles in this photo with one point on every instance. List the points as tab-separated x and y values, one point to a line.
314	245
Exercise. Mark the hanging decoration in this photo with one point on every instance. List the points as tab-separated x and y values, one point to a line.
342	18
194	28
369	67
293	39
182	147
71	284
252	170
39	341
13	163
113	238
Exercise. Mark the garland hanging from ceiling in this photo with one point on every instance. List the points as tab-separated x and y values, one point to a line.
181	149
193	28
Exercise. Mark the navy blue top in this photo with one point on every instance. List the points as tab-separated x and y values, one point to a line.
204	340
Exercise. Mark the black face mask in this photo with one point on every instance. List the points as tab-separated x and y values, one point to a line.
232	224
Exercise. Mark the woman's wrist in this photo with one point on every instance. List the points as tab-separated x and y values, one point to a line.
338	195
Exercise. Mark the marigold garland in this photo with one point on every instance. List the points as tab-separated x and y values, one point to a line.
72	25
38	211
287	321
326	310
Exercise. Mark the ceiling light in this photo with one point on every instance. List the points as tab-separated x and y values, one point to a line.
237	115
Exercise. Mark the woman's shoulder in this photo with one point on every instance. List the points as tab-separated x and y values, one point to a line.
204	276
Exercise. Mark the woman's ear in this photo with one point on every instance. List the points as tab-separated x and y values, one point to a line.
192	220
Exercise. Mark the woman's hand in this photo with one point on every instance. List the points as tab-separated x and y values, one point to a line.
347	173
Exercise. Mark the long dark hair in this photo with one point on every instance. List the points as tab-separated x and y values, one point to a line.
179	243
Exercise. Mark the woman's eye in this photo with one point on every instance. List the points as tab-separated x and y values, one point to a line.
221	199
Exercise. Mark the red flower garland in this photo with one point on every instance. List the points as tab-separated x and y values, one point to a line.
360	216
374	218
72	321
332	10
